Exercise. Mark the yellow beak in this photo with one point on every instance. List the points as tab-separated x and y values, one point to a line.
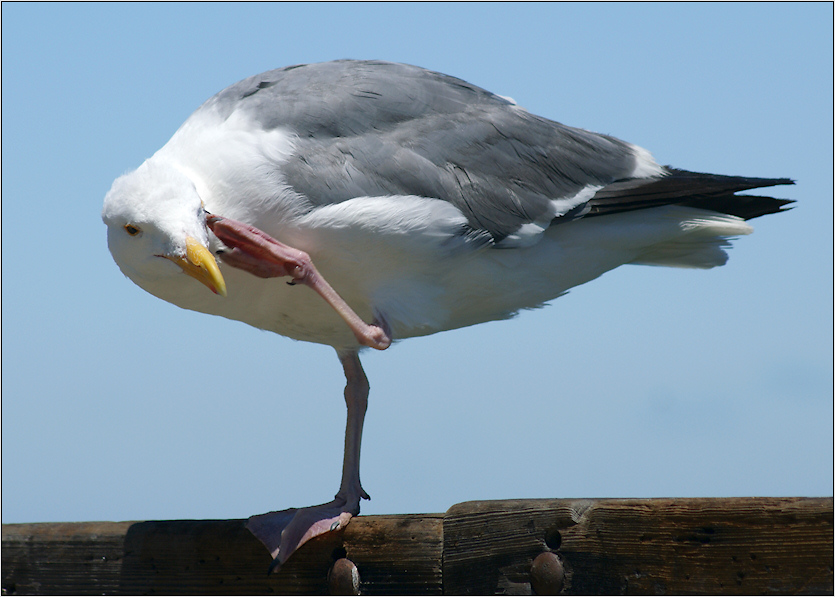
200	264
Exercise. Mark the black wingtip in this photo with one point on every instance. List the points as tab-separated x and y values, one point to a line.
726	181
714	192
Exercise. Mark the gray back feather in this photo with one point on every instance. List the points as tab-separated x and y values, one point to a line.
379	128
369	128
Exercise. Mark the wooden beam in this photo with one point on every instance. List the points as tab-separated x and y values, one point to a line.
734	546
702	546
396	555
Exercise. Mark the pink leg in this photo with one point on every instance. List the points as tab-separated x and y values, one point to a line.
285	531
265	257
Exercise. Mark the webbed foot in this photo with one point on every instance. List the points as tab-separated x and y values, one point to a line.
283	532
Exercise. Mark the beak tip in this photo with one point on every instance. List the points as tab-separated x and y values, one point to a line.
201	265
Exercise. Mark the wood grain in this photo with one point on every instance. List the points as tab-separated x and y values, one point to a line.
394	555
736	546
605	546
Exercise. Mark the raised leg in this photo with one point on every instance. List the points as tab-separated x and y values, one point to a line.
263	256
285	531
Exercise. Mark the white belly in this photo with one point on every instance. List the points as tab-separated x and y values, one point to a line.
399	259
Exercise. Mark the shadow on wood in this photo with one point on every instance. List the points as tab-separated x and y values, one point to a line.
399	555
616	546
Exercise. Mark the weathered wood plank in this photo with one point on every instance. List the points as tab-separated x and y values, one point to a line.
681	546
81	558
652	546
394	555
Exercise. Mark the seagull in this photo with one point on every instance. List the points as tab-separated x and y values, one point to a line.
355	203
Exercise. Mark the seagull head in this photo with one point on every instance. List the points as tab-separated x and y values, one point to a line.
156	232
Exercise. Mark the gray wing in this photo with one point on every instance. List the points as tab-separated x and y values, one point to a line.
377	128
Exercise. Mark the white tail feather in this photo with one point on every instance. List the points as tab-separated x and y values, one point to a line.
702	241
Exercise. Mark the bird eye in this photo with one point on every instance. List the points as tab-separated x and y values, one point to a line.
132	230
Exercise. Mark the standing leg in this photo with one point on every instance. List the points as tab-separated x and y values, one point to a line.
356	399
285	531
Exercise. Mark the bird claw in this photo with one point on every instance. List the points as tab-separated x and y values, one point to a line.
260	254
283	532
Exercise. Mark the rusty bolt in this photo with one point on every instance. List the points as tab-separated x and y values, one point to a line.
344	578
547	574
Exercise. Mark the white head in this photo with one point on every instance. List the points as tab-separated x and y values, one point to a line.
156	231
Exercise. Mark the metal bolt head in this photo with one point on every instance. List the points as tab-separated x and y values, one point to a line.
344	578
547	574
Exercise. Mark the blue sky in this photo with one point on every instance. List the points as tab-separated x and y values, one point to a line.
647	382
